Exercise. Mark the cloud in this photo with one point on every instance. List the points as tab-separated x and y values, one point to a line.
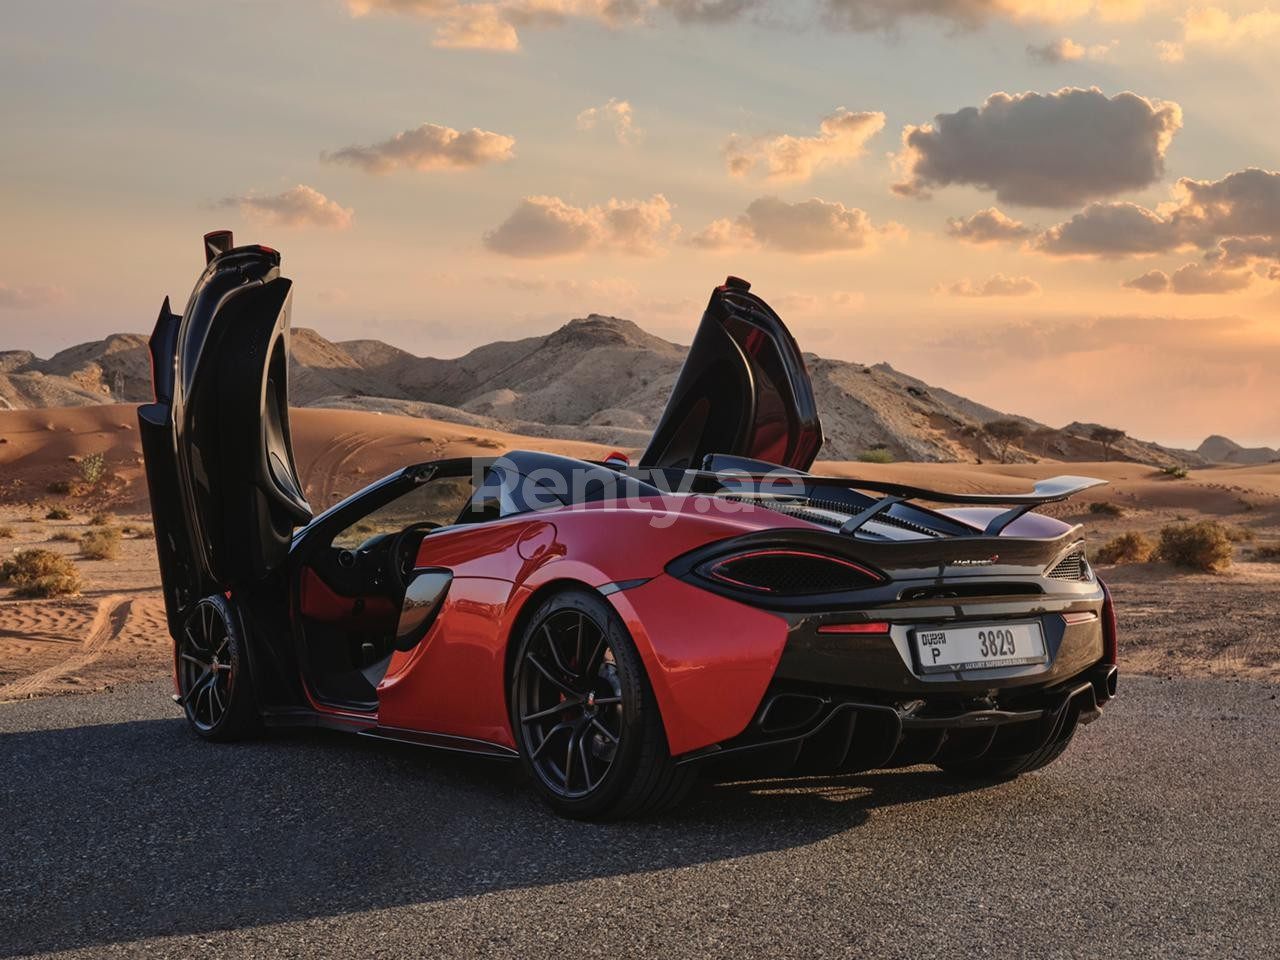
841	137
987	226
1046	150
709	11
1066	50
1216	29
300	206
543	226
997	285
29	297
1239	214
618	114
969	14
1153	281
1110	231
480	27
428	147
808	227
1170	52
1195	278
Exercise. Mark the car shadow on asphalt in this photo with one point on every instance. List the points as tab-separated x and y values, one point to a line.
117	832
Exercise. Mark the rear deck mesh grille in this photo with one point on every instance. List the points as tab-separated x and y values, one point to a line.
1069	568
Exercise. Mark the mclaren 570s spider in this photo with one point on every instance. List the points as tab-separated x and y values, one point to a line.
614	628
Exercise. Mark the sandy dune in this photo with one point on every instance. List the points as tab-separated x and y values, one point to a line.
1174	623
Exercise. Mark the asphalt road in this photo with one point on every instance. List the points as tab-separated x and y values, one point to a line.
1157	835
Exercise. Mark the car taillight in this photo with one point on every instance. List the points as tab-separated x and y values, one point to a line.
784	572
1110	637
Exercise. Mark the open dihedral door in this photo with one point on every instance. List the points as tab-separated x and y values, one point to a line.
225	494
743	391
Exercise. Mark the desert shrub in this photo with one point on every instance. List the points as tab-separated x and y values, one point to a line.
1270	552
6	533
92	468
62	487
145	533
58	513
1241	534
1131	547
1197	546
1174	472
65	536
875	455
101	518
41	573
101	544
1106	509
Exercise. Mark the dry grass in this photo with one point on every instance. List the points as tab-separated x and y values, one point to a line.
101	544
41	573
1131	547
101	518
1202	546
1106	509
65	536
58	513
6	533
1269	552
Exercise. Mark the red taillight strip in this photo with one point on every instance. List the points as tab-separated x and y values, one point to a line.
877	626
849	564
1084	616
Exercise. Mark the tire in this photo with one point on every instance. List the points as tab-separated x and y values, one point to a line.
215	684
1014	765
603	754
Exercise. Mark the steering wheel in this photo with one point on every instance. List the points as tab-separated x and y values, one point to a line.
399	561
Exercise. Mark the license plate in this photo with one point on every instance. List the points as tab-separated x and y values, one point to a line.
979	648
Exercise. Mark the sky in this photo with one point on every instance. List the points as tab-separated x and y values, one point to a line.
1068	210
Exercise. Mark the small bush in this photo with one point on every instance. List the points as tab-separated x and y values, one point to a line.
41	573
1201	546
1241	535
6	533
58	513
101	544
1269	552
1129	547
875	455
62	487
92	469
1106	509
101	519
1174	472
145	533
65	536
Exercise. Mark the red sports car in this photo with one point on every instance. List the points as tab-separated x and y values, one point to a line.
615	629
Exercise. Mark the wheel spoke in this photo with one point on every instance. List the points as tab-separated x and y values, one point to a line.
605	730
563	687
586	769
596	653
555	652
607	701
578	655
568	760
547	739
213	689
194	690
198	662
552	711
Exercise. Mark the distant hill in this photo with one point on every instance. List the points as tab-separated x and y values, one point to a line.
1218	449
598	379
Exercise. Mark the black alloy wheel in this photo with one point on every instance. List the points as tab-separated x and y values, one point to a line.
585	717
215	689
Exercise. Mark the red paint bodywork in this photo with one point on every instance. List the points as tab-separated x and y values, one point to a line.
709	659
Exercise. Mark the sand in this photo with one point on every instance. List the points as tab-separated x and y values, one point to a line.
1173	623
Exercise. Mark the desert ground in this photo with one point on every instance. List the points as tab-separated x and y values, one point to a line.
1173	623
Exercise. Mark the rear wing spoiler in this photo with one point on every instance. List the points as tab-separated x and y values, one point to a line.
1052	490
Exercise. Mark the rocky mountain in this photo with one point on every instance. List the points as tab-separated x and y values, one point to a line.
599	379
1219	449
